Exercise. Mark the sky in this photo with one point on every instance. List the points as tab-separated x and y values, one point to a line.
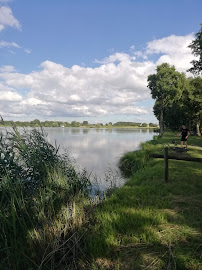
89	60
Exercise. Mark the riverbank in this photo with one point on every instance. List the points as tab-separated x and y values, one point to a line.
150	224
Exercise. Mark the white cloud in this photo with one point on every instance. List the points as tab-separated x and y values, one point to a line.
28	51
169	45
116	57
173	50
9	44
118	86
9	94
7	18
7	69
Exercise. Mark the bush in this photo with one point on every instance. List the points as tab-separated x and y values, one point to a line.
132	162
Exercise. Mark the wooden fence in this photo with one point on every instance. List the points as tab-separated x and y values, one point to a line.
167	157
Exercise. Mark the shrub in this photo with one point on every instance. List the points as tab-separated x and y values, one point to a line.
131	162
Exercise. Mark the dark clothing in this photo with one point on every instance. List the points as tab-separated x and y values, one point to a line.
184	134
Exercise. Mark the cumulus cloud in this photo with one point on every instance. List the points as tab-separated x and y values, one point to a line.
173	49
118	86
7	18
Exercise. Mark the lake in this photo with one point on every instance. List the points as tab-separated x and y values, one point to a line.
98	150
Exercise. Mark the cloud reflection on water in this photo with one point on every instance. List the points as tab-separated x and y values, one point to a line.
98	150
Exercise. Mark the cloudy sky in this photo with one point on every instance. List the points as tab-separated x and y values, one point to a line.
89	60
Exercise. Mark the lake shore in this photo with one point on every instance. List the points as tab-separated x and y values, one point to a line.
147	223
49	221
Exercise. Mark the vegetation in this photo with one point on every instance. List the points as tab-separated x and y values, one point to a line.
37	123
178	99
42	200
196	47
166	87
150	224
48	221
195	104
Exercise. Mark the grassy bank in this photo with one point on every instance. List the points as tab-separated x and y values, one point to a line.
150	224
42	204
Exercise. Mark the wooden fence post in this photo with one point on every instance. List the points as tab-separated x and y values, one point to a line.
166	164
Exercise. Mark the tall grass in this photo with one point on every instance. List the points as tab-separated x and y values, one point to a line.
132	162
42	200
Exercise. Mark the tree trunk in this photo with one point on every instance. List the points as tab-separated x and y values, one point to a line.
198	130
161	122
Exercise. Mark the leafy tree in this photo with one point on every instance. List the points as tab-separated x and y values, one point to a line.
75	124
35	123
66	124
196	101
166	87
180	112
196	47
144	125
85	123
153	125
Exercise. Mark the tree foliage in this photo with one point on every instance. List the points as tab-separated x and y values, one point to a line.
196	47
166	88
196	100
178	99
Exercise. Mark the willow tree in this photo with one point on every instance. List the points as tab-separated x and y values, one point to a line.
166	87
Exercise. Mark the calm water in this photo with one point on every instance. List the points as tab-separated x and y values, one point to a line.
98	150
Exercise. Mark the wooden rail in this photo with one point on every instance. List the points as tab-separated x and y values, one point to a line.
167	157
177	158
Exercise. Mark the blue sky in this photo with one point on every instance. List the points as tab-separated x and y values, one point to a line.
89	60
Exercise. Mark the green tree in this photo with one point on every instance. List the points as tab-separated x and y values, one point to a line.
35	123
47	124
153	125
85	123
144	125
196	47
196	101
75	124
166	87
180	112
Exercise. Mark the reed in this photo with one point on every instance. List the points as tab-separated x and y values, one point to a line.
42	203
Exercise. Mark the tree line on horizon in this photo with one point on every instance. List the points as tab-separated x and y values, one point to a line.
178	99
38	123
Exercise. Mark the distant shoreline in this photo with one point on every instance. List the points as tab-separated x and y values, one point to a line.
96	127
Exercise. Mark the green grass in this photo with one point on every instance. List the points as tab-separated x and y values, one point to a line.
47	220
150	224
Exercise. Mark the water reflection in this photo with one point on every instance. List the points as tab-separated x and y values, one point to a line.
99	150
85	130
75	130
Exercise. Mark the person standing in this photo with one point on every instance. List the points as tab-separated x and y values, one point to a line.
184	136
